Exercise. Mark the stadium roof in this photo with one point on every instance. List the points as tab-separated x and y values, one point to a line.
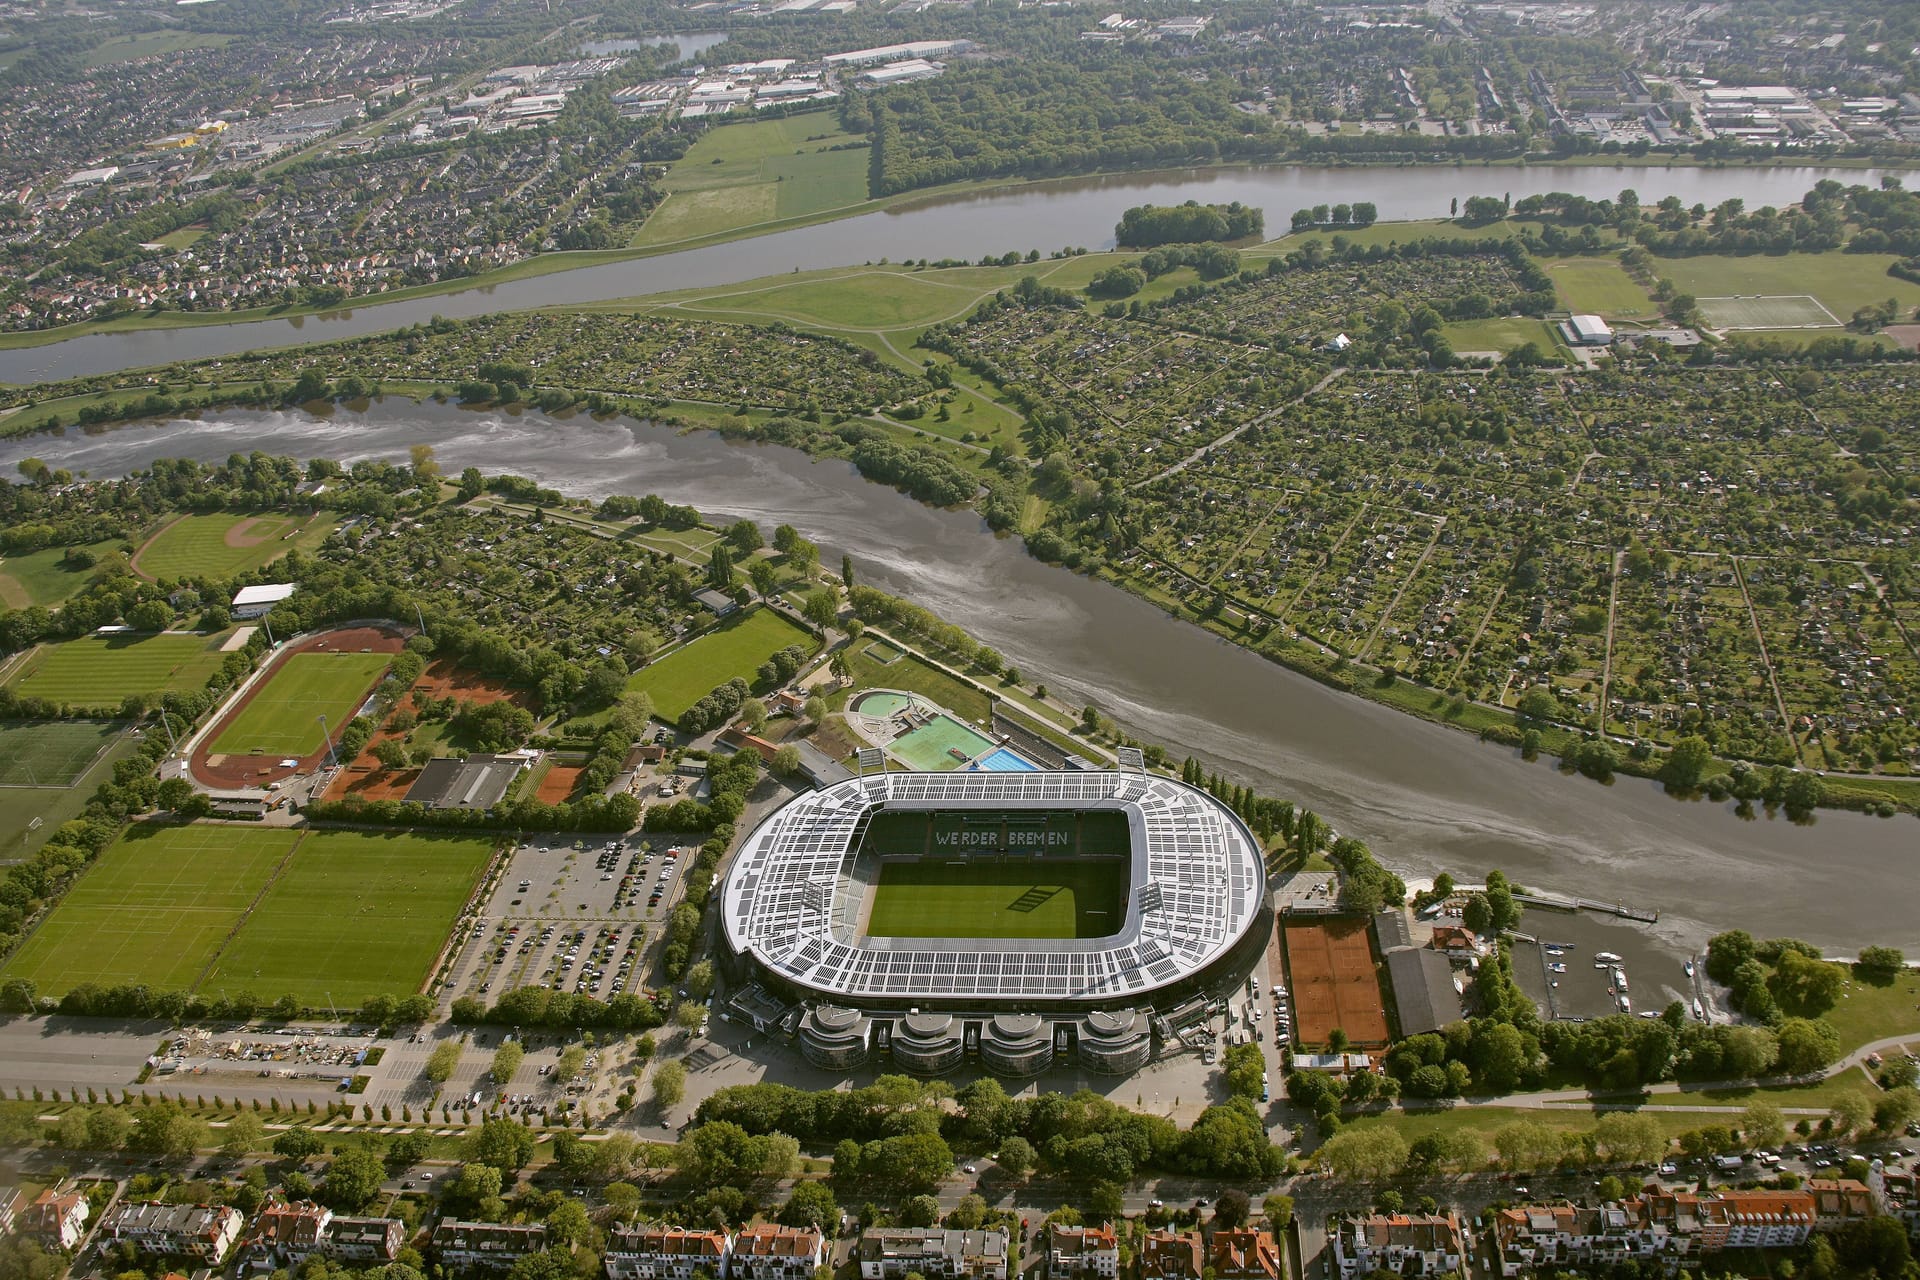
1196	886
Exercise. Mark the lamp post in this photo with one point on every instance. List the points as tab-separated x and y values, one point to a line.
329	739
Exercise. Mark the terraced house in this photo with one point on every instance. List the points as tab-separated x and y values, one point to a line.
1407	1244
665	1253
937	1253
772	1252
204	1232
1655	1225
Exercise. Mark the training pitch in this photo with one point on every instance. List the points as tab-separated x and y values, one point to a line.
222	545
1772	311
345	914
104	671
282	717
999	897
53	753
736	648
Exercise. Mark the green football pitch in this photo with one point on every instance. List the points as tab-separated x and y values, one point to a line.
103	671
153	908
355	914
348	915
995	897
283	718
51	753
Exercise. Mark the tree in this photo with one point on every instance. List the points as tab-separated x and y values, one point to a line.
353	1179
764	578
669	1085
1245	1069
822	609
392	753
573	1060
1527	1145
846	572
1629	1137
165	1130
1687	763
1762	1125
1278	1211
475	1193
1016	1157
244	1133
1850	1113
1880	965
1805	984
506	1061
720	568
786	761
442	1061
811	1205
1231	1210
1364	1154
299	1144
504	1144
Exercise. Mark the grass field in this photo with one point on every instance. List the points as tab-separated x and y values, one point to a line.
736	648
148	43
20	806
103	671
994	898
876	299
222	545
1775	311
1600	286
45	577
51	753
283	717
355	914
1843	282
1499	335
737	175
154	908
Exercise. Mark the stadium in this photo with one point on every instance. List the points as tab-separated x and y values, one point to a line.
1007	919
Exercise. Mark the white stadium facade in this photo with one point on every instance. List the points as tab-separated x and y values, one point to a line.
1194	919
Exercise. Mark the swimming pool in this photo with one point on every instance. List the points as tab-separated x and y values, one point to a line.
882	703
941	743
1001	760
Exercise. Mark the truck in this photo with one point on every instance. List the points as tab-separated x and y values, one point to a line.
1728	1164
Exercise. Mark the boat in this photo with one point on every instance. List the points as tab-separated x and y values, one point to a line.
1559	946
1556	951
1557	968
1699	1011
1648	1014
1626	1005
1689	968
1601	964
1608	956
1620	979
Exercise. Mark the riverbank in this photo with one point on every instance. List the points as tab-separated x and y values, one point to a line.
932	199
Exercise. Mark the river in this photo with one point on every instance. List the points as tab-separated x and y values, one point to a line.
1425	797
1044	216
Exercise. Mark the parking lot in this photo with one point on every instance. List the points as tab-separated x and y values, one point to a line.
574	916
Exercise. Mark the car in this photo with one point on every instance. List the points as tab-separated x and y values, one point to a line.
967	1168
1523	1191
1156	1204
426	1177
1669	1168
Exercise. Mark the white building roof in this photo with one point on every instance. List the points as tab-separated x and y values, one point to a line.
1589	327
270	593
1195	889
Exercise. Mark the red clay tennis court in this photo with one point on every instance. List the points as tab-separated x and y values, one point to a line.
1331	978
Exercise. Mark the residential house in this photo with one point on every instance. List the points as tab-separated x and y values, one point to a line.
1556	1237
1900	1188
376	1240
1408	1244
890	1253
772	1252
1244	1254
665	1253
1838	1201
486	1244
205	1232
284	1234
1171	1255
60	1217
1456	942
1082	1253
1767	1219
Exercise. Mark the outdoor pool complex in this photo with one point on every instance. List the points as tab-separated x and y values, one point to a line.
941	743
881	704
1001	760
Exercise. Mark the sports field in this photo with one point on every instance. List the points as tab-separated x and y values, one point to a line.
282	717
355	914
222	545
988	896
1601	286
46	577
1841	281
50	753
1330	973
103	671
154	908
1775	311
736	648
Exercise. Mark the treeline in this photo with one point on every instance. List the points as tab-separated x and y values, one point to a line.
714	708
1336	217
588	813
561	1010
1084	1134
1147	225
876	608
